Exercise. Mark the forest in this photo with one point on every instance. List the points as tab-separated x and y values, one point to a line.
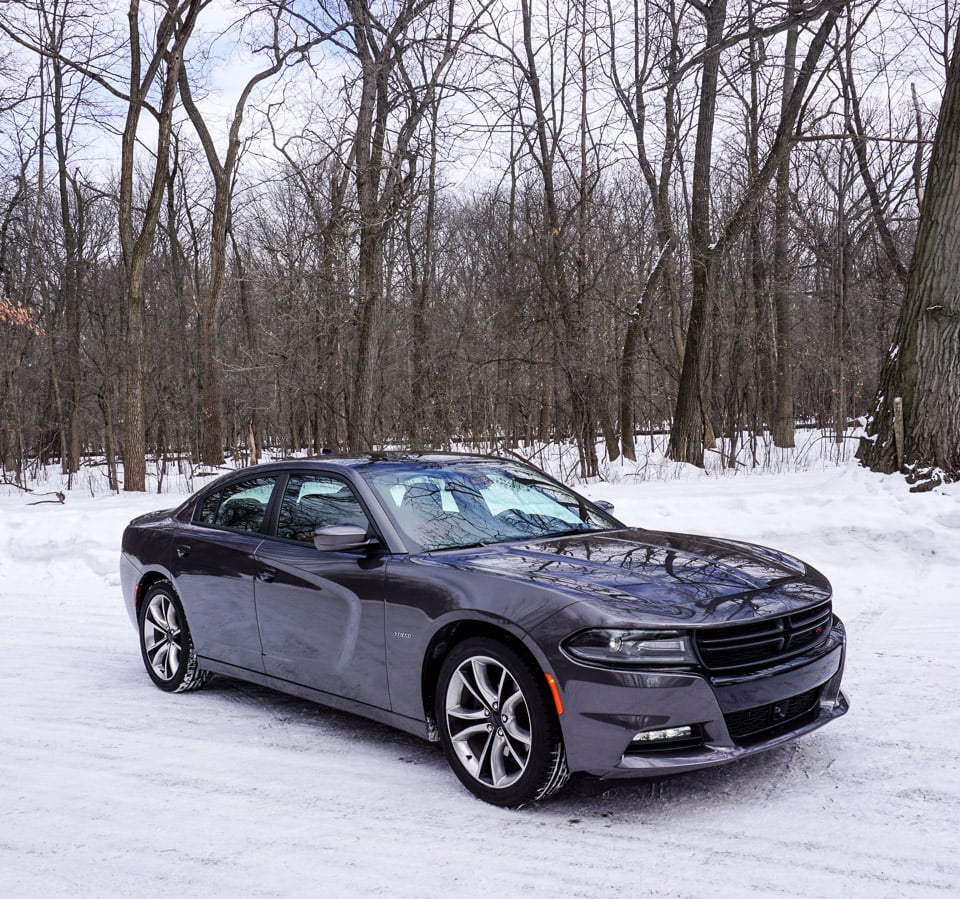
362	224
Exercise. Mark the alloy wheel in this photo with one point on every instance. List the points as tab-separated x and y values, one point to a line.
162	637
488	721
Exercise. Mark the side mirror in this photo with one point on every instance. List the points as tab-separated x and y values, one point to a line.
604	504
340	537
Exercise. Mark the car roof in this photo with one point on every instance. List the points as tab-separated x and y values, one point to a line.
396	456
348	461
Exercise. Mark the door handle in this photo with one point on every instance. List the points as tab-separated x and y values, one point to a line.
267	575
183	550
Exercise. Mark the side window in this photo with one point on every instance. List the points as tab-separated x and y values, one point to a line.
241	506
208	511
315	501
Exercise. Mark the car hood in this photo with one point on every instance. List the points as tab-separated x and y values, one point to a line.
662	577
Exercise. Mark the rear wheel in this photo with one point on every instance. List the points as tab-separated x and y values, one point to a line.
498	726
165	642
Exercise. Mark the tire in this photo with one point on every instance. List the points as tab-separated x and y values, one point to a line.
497	724
165	642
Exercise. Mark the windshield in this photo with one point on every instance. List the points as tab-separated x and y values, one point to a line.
471	503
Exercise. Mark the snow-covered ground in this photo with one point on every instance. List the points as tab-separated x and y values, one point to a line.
109	787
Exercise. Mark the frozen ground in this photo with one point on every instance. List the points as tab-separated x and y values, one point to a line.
109	787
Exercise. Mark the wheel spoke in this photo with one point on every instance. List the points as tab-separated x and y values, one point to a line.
468	714
160	660
503	680
156	645
468	732
173	659
152	640
513	704
482	758
498	761
156	616
515	732
472	690
173	622
481	674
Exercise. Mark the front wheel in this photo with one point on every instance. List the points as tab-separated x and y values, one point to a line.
165	642
498	727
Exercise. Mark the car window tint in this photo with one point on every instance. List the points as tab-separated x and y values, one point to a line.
243	505
317	501
208	511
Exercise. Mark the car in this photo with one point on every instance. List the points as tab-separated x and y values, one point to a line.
477	601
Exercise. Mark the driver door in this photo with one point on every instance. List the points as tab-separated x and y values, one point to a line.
321	613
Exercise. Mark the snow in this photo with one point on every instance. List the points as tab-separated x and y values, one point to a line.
109	787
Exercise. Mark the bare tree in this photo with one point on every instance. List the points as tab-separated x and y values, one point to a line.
653	54
282	47
690	421
784	417
919	392
402	52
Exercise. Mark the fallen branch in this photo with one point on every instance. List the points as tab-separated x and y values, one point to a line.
60	498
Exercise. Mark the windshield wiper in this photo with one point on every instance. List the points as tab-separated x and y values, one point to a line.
463	546
570	532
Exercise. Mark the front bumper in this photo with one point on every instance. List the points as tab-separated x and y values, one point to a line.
733	716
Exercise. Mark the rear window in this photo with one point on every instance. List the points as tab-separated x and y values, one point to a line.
241	506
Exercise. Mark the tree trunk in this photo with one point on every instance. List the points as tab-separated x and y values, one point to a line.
134	418
211	392
784	416
923	367
687	431
70	287
211	374
173	32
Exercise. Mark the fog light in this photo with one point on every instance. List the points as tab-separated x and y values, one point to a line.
668	733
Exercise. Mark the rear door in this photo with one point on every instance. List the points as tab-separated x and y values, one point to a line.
214	565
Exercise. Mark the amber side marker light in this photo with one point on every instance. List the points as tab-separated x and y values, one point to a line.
557	701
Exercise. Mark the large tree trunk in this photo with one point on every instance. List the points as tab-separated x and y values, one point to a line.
923	367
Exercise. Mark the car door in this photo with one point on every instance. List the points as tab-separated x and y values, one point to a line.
321	613
214	567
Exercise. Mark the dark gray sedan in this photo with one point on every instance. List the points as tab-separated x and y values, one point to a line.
480	602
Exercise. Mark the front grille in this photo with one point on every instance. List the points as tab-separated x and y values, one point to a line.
761	643
766	721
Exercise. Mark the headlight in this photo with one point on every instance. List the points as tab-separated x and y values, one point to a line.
606	646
